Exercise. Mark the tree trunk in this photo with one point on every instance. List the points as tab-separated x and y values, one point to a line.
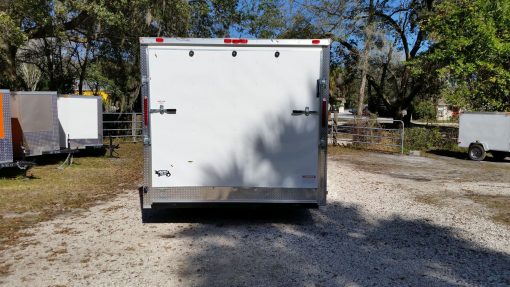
9	58
83	69
364	60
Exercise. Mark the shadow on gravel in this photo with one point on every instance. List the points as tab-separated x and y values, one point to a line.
333	246
464	155
232	216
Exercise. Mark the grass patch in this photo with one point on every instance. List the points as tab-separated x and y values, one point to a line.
50	191
428	199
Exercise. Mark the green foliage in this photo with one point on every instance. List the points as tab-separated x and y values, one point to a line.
425	110
264	18
427	139
457	49
422	139
471	46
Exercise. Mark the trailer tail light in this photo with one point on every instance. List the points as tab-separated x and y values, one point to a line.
227	41
316	42
159	40
145	111
324	112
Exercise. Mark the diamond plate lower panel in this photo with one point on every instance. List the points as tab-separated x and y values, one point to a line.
6	154
229	194
39	142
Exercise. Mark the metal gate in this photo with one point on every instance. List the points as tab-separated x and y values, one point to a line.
122	125
379	134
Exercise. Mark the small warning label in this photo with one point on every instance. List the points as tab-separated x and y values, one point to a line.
308	178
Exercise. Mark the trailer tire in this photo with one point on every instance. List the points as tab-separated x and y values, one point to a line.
499	155
476	152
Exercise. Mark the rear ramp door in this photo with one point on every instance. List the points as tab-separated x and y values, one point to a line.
223	116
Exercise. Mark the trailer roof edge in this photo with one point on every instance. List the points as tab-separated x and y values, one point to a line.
163	41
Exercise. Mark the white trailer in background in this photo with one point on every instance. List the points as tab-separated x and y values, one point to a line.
80	119
234	121
485	132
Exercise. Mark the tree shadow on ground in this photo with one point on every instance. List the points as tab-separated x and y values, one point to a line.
331	246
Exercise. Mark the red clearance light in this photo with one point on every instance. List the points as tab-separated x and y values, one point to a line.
145	111
316	42
160	40
235	41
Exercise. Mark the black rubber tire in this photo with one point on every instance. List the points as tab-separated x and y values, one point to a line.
477	152
499	155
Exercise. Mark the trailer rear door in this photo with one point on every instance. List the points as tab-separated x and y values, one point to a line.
227	116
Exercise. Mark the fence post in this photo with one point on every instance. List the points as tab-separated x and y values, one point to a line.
133	126
402	130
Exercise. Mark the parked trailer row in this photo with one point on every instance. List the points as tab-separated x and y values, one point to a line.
38	123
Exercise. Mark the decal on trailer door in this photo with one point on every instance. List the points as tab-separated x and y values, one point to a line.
163	172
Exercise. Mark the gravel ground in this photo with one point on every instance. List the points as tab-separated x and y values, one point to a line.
387	223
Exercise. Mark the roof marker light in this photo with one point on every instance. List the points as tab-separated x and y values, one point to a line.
235	41
316	41
159	40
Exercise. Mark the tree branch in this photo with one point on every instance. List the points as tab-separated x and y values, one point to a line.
398	29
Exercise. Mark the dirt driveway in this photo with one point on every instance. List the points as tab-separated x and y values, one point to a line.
390	221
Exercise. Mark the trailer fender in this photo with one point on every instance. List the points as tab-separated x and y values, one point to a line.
483	144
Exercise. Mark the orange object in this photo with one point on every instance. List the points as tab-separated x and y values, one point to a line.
2	128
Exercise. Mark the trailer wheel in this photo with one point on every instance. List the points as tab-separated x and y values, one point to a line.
499	155
477	152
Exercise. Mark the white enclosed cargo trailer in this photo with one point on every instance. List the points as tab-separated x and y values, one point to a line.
6	155
485	132
80	119
234	121
34	121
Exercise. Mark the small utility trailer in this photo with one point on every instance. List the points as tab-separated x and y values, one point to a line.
485	132
234	121
35	127
81	121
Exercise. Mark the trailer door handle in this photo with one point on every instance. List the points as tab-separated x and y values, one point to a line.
305	112
162	110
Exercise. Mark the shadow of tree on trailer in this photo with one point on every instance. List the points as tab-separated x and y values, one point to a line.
332	246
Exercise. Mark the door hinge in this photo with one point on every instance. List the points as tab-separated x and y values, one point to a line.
321	86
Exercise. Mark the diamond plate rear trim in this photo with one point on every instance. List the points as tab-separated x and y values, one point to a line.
230	194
